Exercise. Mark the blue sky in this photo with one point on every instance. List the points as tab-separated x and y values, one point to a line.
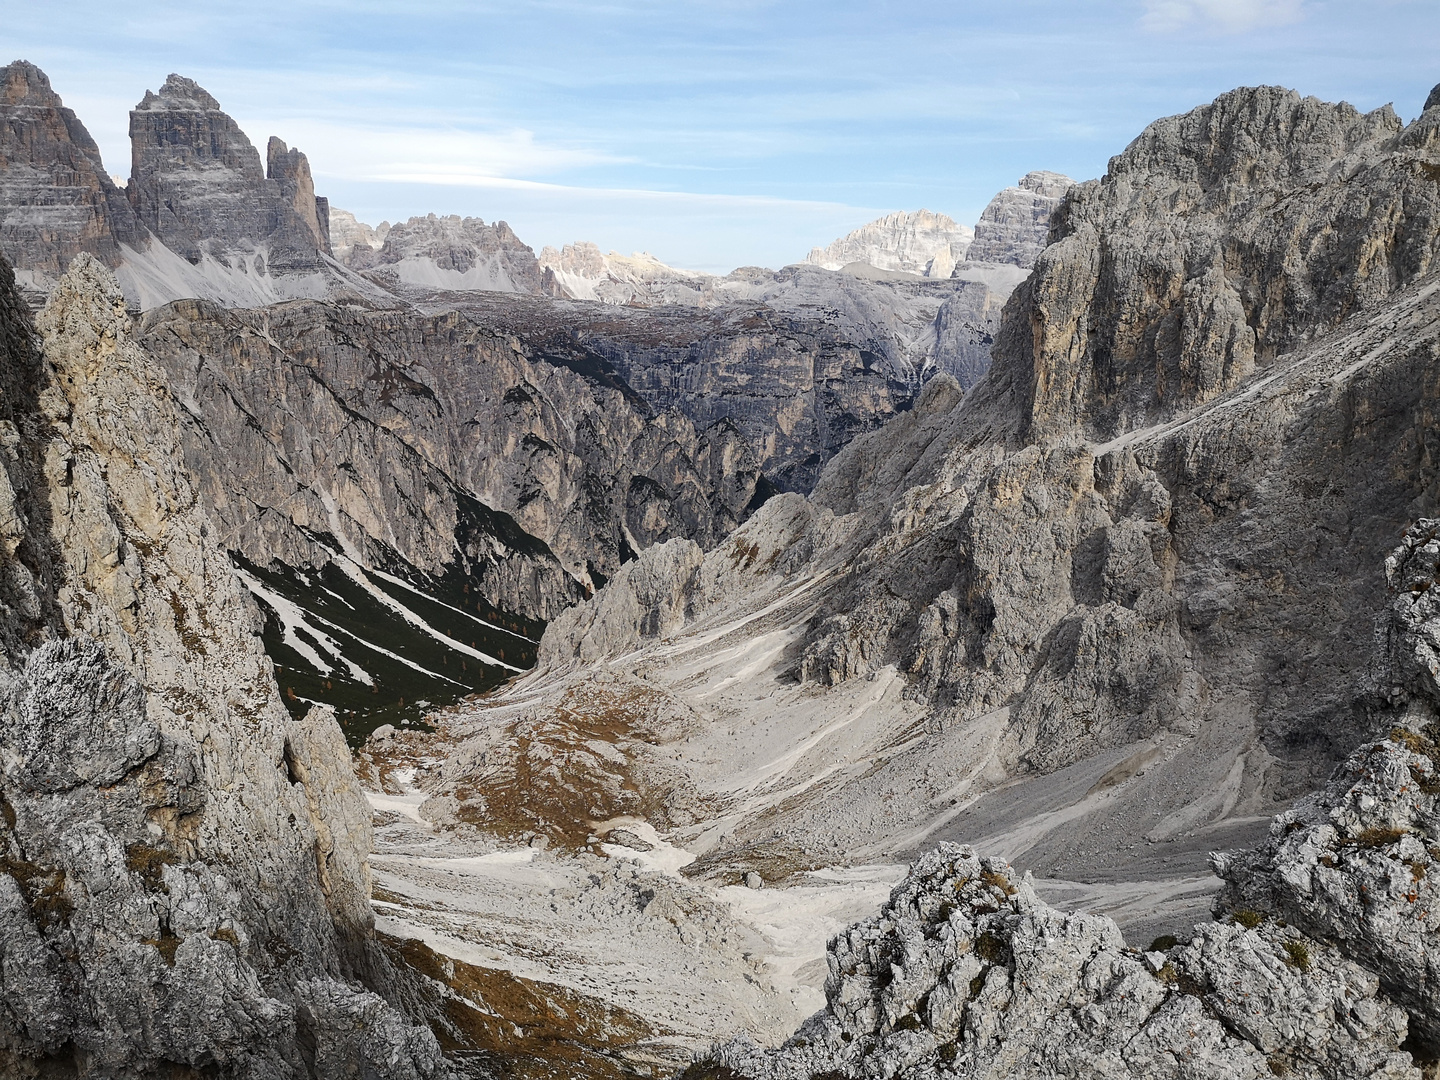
718	133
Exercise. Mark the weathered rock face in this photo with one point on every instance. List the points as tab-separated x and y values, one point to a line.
1218	241
198	184
183	886
372	422
1200	584
1015	227
56	199
456	253
916	243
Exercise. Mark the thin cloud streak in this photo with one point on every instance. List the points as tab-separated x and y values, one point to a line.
1224	16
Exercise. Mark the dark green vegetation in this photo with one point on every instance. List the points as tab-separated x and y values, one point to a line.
409	669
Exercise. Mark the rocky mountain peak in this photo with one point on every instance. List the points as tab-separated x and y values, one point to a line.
1050	185
56	199
454	252
1015	226
919	242
1217	241
179	93
198	184
22	83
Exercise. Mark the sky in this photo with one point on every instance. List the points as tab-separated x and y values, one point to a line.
712	134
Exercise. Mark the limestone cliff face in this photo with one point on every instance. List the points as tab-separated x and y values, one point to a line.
56	199
922	243
376	427
183	886
199	186
1217	242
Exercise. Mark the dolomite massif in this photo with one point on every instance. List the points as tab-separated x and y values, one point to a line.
1050	625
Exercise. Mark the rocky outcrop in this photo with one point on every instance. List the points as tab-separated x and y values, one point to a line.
921	243
456	253
966	973
1217	242
56	199
182	888
1015	227
199	186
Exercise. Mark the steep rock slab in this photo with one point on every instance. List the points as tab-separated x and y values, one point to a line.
184	878
56	199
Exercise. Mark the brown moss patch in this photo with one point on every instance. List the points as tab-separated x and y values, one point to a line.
522	1028
593	757
1378	837
43	889
150	862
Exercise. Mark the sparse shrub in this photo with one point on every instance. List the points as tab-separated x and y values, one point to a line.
1297	954
1247	918
997	881
992	948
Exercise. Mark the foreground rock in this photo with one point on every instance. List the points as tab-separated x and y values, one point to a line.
184	882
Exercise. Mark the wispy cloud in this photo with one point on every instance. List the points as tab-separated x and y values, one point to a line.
1222	16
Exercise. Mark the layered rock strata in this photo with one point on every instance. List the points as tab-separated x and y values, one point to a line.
184	886
455	253
1217	242
921	243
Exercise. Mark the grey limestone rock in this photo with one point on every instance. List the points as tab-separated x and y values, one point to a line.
966	973
1217	241
183	881
457	253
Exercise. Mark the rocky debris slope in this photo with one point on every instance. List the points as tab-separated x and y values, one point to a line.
1322	963
453	253
56	199
921	243
184	885
1015	227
